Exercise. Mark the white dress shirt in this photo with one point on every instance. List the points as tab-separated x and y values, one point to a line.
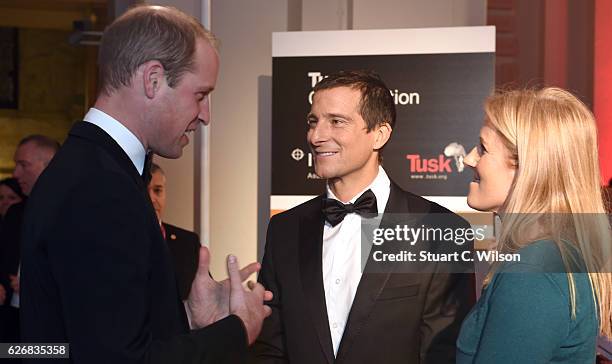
342	258
122	135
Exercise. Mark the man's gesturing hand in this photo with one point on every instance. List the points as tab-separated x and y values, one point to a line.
247	304
208	299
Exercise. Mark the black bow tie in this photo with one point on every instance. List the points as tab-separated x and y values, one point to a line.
335	211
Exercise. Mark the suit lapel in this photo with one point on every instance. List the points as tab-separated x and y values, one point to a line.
95	134
101	138
311	272
371	284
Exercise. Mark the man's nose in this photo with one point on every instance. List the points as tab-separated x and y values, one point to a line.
319	133
17	172
204	115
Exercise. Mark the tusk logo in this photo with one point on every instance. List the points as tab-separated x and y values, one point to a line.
438	167
297	154
456	151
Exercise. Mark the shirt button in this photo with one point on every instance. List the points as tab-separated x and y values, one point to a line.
335	325
338	281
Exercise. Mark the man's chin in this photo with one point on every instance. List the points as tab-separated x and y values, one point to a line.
325	173
170	154
25	189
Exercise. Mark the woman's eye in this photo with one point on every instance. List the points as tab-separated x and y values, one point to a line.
481	149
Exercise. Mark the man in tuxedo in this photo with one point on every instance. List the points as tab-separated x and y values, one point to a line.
33	154
96	272
325	310
184	245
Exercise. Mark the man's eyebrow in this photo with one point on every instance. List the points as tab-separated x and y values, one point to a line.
336	115
311	116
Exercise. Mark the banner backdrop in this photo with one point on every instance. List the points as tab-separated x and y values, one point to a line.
438	78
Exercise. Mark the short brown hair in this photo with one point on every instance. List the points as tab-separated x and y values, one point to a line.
376	105
146	33
41	141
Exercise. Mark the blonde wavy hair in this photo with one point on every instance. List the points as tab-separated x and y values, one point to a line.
556	193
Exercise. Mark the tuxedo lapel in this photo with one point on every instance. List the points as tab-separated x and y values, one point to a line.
311	272
398	203
371	284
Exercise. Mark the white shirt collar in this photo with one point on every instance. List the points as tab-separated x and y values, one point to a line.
122	135
381	186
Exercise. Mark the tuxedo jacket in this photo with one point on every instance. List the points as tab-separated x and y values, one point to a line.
96	272
394	318
184	248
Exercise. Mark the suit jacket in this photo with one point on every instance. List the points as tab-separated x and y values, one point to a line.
96	272
395	318
10	238
185	252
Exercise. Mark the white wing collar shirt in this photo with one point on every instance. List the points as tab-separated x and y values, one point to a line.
122	135
342	258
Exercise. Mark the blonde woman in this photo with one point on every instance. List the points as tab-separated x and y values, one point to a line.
537	168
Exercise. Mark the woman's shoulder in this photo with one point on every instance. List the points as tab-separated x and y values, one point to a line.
527	304
544	256
543	270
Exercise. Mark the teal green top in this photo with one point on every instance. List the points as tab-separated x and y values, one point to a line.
524	314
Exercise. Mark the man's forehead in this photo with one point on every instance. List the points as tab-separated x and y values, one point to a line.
338	96
206	58
27	150
341	93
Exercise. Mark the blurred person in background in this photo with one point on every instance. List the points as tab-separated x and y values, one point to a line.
31	157
10	194
184	245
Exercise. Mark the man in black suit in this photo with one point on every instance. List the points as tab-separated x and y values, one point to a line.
96	272
325	310
31	157
184	245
